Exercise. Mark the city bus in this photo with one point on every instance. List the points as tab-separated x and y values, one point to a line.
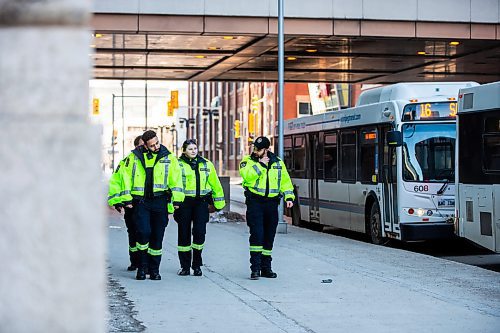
384	167
478	165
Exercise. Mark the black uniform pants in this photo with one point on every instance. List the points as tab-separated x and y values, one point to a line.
262	219
132	237
150	218
192	212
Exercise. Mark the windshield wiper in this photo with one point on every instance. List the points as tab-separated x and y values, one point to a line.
443	188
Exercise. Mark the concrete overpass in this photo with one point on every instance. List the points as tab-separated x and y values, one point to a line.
356	41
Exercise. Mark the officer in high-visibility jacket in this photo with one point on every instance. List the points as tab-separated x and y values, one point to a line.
201	187
151	183
266	181
115	192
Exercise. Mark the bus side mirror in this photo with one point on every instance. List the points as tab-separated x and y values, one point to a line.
394	139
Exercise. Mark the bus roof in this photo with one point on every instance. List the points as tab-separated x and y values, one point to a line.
378	105
411	90
484	97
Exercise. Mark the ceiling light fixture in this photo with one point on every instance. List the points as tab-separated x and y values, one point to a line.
454	43
421	52
228	37
291	58
311	50
199	56
98	35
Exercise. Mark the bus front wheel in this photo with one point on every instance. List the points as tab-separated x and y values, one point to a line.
376	225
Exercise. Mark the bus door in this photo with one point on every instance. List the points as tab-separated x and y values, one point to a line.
313	165
389	186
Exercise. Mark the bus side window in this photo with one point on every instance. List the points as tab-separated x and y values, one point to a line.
348	156
299	156
491	145
330	157
288	149
368	158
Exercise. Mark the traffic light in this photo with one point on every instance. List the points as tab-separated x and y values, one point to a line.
170	109
251	123
174	98
95	106
115	137
237	129
255	104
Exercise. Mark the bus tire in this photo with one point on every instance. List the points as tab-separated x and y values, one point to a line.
375	225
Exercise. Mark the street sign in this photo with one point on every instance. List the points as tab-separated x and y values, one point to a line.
95	106
174	98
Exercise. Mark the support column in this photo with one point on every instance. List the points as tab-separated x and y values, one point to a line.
52	217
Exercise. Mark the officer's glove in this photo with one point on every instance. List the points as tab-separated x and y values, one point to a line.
118	207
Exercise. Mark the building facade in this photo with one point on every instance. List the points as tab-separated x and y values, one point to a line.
225	117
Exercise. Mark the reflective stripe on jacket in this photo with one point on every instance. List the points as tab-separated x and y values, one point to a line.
200	179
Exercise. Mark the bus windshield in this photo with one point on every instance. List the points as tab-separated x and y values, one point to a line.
429	152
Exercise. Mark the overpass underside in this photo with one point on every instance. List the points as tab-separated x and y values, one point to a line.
212	48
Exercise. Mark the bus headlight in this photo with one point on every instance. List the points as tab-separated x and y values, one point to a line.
420	212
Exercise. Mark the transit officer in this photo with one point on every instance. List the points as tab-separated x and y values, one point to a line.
266	181
153	186
115	191
201	187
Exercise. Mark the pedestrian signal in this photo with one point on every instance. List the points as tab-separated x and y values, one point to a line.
95	106
174	98
237	129
170	109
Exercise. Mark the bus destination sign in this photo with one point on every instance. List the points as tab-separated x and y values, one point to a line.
430	111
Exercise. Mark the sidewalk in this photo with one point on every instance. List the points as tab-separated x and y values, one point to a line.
373	288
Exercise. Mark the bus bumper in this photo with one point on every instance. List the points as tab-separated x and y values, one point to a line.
425	231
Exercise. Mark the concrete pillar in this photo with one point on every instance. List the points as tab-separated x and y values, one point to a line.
52	218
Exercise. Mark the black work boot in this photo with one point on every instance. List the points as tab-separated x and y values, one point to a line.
268	273
197	271
254	275
154	276
131	268
141	274
184	272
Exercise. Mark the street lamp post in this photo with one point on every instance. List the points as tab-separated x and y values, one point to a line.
187	121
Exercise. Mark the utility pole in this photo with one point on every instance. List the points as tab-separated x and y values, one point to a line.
282	225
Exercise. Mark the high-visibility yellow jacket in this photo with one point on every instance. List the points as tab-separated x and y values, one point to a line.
166	175
199	179
269	180
115	191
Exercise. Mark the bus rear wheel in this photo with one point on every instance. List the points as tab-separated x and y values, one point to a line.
376	226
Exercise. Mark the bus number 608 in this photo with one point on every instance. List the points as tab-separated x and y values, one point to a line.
421	188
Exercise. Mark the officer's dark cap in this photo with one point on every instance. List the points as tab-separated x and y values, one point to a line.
261	142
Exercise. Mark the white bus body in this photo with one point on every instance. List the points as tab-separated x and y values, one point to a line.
478	165
348	175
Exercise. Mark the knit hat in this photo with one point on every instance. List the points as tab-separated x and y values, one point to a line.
261	142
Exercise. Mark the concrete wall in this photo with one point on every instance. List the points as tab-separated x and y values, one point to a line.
478	11
52	239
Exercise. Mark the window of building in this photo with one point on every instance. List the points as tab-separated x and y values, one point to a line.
304	109
348	156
